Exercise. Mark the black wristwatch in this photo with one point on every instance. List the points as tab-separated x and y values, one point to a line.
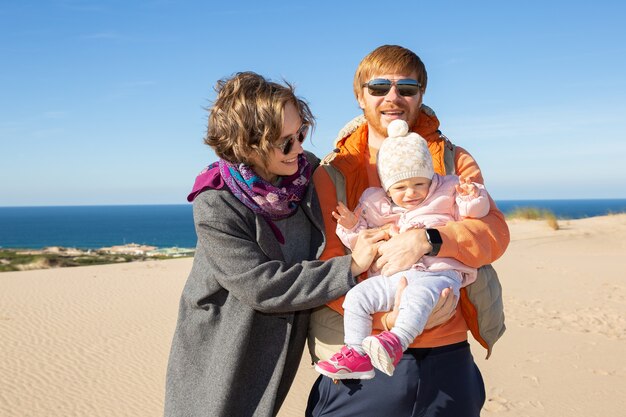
434	238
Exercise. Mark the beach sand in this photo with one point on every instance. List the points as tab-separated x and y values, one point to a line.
94	341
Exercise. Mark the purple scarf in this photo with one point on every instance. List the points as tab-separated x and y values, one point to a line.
263	198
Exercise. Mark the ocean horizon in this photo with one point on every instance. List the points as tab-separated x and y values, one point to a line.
171	225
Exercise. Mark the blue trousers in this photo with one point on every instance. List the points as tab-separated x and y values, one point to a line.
427	382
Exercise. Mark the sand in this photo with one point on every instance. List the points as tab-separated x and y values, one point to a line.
94	341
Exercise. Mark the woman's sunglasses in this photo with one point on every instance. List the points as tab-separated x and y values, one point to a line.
286	145
380	87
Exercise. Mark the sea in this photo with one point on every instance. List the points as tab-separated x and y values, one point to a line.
165	226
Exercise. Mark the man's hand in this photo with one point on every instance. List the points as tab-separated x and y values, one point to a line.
402	251
442	312
390	318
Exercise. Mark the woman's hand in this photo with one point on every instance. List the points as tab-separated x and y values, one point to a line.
442	312
365	249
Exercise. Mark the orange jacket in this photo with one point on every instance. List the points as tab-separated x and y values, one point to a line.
475	242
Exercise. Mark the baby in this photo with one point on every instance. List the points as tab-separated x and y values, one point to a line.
412	196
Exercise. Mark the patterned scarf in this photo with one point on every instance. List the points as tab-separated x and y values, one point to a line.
272	202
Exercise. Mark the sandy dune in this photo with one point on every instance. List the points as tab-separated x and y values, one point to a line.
93	341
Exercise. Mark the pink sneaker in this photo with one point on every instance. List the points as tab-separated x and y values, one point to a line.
384	350
347	364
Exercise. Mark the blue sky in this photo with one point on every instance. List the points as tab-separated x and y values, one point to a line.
104	102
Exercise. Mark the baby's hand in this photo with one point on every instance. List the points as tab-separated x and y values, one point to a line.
391	230
345	217
466	188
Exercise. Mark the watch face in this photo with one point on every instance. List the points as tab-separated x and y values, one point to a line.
434	236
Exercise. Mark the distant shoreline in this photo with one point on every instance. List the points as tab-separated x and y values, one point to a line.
18	259
47	257
568	209
166	226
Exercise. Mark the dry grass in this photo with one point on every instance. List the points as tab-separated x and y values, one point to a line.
534	213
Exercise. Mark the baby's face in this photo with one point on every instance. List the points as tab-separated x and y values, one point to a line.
409	193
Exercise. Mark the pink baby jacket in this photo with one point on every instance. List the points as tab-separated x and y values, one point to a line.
441	205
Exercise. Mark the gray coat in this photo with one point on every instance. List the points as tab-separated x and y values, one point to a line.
244	311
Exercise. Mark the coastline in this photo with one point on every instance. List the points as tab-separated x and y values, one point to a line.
94	340
12	259
164	226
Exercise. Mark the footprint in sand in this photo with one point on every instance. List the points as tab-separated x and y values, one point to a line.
608	323
532	378
496	405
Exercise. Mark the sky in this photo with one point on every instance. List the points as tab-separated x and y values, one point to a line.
105	102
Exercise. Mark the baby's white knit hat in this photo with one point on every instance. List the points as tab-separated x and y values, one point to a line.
403	156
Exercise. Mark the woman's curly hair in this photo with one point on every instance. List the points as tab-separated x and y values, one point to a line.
246	118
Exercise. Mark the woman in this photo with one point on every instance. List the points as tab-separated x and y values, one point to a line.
244	310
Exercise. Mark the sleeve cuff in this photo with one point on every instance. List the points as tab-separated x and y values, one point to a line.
449	246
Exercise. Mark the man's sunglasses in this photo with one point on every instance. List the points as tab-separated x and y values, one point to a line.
286	145
380	87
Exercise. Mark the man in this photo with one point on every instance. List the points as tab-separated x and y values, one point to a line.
437	374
